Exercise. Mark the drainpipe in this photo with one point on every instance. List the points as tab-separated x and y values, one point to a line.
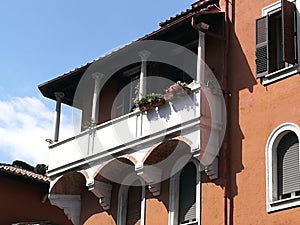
97	77
144	56
226	150
59	97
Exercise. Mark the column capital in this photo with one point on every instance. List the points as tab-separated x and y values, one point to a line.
59	95
144	54
97	76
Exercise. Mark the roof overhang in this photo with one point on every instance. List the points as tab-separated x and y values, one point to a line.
68	82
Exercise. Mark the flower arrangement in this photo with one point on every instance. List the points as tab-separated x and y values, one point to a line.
176	90
149	101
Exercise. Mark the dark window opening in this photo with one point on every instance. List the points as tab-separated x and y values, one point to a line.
187	194
276	40
133	215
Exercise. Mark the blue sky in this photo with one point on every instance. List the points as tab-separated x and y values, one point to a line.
43	39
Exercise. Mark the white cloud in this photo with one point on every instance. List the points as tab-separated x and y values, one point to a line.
25	123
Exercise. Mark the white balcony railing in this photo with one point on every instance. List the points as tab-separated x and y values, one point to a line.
132	131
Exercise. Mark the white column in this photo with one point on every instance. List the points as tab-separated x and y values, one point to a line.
97	77
201	58
144	56
59	97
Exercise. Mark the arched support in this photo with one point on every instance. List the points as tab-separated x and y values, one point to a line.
102	191
151	175
71	205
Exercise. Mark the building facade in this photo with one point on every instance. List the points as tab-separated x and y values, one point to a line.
24	199
221	146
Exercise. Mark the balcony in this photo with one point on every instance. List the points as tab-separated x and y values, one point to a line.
197	116
134	131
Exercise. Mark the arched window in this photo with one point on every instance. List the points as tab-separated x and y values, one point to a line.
184	205
133	215
131	205
288	174
282	167
187	194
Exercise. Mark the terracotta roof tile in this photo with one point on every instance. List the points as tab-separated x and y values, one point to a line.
24	173
199	5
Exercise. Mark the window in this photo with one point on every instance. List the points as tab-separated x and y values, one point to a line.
124	101
134	200
187	194
184	208
131	205
283	168
276	41
288	174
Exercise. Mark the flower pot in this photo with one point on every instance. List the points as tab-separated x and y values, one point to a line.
149	105
158	102
145	107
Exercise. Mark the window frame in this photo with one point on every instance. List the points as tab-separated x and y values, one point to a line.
272	203
291	69
174	194
123	201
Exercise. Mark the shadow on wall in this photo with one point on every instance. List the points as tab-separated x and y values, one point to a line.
240	77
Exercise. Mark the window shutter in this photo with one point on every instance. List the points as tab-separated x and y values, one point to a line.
262	52
288	29
134	199
288	164
187	194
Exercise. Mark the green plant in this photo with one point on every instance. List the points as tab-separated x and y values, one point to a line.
147	99
40	169
22	165
89	124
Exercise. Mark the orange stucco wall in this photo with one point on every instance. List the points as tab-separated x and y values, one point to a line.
20	201
255	111
157	207
91	211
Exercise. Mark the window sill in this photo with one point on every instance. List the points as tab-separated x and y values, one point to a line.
283	204
280	74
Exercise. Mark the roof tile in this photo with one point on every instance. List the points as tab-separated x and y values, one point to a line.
25	173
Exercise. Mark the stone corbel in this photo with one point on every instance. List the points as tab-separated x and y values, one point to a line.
151	175
102	191
212	169
71	205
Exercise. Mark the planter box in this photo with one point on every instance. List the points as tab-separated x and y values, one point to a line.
149	105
